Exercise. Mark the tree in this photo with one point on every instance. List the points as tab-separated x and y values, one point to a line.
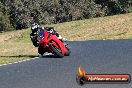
18	13
4	20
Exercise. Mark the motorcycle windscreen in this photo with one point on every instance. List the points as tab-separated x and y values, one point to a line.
40	35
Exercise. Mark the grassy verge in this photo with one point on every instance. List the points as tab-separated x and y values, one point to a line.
112	27
16	45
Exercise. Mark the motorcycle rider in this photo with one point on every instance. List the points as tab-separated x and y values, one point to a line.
35	27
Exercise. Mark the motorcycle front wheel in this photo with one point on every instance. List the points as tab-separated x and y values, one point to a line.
56	51
68	51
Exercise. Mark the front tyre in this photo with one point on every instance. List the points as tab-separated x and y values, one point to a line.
68	51
56	51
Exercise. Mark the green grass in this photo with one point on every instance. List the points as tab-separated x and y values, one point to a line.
16	45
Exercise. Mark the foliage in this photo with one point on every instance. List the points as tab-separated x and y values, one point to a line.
4	20
19	13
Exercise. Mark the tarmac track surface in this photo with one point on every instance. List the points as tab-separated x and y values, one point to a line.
96	57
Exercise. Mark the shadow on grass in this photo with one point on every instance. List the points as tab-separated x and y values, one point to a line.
18	56
29	56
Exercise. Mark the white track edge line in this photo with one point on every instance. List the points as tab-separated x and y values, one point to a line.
19	61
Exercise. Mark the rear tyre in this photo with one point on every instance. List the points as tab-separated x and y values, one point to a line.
56	51
40	51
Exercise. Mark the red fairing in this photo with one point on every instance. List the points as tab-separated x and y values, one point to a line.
44	40
62	46
48	37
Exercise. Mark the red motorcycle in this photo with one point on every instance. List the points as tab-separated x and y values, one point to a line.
49	42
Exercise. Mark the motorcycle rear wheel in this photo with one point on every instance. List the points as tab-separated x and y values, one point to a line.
40	51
